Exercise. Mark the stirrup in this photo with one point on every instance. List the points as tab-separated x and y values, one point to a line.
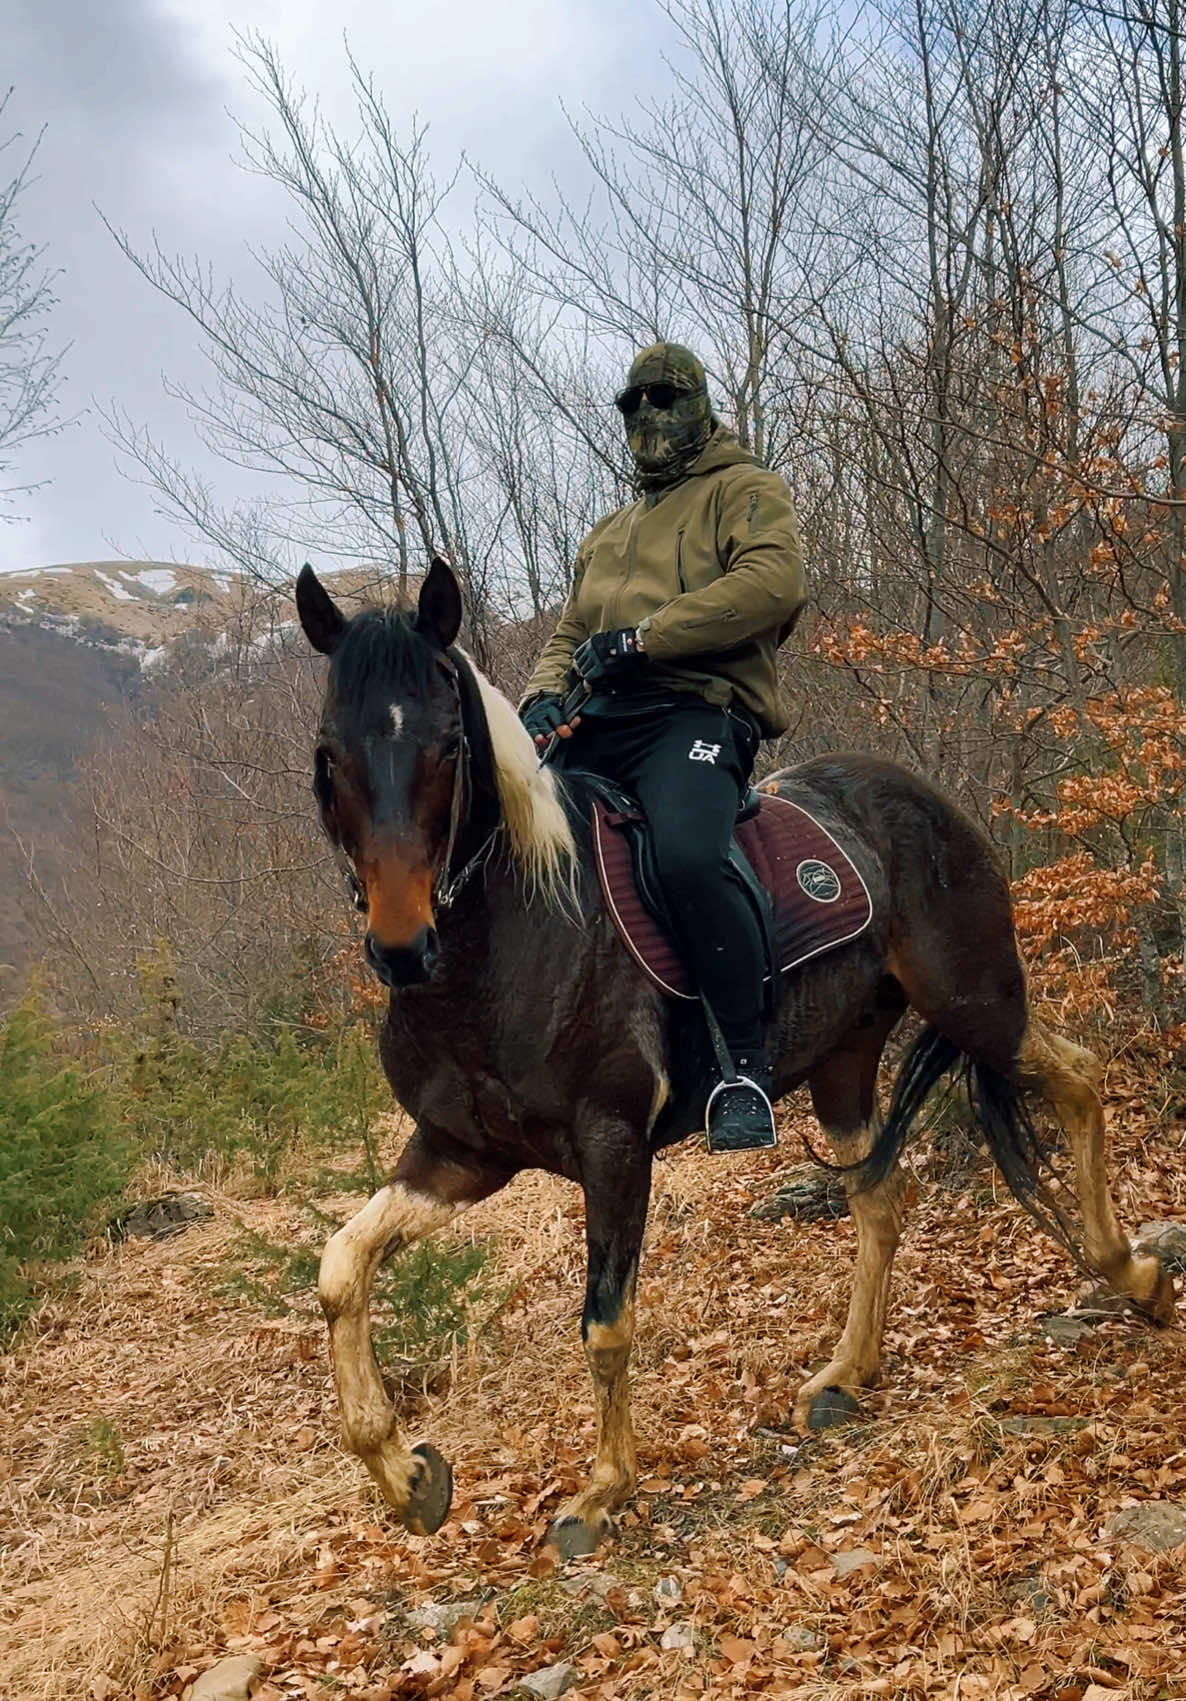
739	1117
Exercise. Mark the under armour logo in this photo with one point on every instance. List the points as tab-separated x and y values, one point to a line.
701	752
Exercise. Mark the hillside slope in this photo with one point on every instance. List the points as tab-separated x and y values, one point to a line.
75	643
177	1493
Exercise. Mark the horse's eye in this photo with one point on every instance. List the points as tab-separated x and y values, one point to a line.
451	747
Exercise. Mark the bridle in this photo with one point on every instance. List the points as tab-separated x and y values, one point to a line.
447	886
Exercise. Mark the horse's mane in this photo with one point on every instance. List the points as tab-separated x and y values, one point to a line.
382	647
534	817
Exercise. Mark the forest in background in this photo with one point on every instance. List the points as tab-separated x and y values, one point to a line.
934	256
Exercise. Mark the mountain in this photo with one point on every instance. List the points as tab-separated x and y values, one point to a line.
74	641
131	605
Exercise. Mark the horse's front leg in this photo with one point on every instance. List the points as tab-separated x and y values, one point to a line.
424	1192
617	1182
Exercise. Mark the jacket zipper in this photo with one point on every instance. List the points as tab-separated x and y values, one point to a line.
679	561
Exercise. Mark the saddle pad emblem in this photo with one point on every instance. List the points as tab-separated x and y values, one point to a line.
818	892
818	880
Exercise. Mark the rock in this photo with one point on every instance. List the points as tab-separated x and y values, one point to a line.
157	1219
442	1617
668	1590
808	1193
1168	1242
1029	1592
229	1680
802	1639
678	1637
550	1682
856	1559
1064	1331
1158	1525
1044	1425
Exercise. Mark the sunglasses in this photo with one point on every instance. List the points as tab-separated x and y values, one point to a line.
660	395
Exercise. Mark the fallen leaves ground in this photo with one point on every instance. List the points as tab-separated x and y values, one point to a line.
173	1488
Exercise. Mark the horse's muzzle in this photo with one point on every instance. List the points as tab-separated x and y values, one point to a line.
404	965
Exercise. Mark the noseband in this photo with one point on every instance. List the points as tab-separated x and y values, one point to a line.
446	885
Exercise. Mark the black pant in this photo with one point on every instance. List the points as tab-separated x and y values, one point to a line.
688	764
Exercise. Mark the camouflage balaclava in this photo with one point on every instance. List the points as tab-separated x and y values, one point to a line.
666	442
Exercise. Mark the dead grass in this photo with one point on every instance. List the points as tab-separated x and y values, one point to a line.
173	1487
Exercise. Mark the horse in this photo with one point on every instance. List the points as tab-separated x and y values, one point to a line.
521	1034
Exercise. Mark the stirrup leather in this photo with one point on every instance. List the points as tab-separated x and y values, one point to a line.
739	1117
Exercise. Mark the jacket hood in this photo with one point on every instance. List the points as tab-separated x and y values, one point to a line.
722	450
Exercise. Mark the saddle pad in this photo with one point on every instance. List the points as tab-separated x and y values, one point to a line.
819	898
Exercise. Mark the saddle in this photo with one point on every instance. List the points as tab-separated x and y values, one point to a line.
808	894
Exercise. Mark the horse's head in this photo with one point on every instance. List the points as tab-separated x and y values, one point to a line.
389	771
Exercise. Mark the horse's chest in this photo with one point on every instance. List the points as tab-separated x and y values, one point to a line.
487	1102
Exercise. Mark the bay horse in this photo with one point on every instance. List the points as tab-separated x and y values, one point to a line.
520	1033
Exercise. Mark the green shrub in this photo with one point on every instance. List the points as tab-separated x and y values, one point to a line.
63	1157
421	1302
250	1098
424	1297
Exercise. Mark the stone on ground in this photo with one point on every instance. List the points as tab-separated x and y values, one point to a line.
550	1682
442	1617
1158	1525
1064	1331
229	1680
803	1639
678	1637
807	1193
158	1219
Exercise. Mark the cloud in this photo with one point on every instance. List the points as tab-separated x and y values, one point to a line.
135	97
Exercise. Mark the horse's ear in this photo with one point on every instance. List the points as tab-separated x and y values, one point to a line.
438	613
321	619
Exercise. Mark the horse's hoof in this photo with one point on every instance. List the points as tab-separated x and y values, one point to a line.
576	1538
830	1407
1160	1307
432	1492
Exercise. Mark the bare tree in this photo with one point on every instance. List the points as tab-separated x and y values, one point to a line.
30	363
345	376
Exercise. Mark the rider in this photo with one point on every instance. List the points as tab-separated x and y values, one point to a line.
678	604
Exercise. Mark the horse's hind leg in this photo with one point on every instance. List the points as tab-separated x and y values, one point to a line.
1068	1077
617	1182
425	1191
844	1093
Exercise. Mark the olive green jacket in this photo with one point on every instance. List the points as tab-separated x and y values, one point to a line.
711	575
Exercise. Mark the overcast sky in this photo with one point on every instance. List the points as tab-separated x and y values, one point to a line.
136	96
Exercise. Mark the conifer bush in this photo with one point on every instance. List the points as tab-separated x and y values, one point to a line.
63	1155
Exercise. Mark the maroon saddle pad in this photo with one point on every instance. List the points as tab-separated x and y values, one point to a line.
819	897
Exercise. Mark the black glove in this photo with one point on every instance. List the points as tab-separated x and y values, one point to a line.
608	655
543	714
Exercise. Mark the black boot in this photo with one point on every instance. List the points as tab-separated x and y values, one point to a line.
740	1116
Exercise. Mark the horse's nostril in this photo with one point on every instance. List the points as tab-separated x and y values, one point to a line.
403	965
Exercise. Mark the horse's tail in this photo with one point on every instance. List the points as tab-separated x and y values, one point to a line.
1001	1115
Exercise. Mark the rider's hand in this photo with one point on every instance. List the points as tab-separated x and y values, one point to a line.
608	655
544	718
